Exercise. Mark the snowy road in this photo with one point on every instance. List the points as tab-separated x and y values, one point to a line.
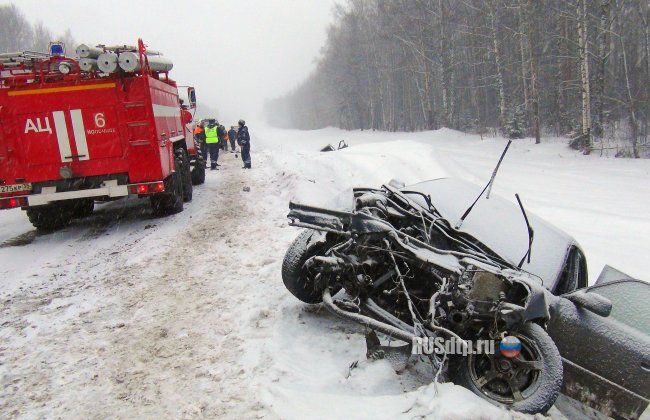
129	315
125	315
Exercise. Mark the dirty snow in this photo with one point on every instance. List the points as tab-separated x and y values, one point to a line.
126	315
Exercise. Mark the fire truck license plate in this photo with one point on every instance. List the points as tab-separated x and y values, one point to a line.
15	188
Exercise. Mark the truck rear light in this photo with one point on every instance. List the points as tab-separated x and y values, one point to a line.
148	188
10	203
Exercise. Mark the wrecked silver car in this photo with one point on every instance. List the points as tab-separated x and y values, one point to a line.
417	266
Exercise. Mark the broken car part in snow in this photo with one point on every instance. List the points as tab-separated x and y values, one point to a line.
330	148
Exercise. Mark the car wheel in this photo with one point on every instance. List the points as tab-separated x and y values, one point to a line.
296	277
529	383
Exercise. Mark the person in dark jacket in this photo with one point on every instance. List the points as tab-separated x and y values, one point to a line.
223	138
244	141
232	135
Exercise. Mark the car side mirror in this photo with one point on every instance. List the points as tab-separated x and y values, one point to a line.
591	301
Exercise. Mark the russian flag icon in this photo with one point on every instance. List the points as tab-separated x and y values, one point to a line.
510	347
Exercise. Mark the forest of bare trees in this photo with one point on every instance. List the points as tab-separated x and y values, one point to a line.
18	34
523	68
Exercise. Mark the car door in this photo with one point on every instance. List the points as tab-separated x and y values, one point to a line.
607	359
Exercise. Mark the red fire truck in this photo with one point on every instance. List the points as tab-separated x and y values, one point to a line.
74	131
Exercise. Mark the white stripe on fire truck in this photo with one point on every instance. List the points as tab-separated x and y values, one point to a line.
62	136
166	111
79	134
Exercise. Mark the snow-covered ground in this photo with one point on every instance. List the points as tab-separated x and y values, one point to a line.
125	315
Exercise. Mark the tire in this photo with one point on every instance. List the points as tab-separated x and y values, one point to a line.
296	278
186	174
50	217
198	168
171	201
83	207
540	385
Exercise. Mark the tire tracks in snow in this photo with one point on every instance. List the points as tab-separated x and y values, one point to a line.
172	332
188	318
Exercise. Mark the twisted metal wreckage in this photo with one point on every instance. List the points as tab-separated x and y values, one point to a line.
411	275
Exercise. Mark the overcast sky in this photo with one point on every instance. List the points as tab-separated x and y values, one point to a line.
236	53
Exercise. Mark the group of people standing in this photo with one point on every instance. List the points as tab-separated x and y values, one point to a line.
212	136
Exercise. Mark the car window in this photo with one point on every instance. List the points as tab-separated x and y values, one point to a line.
629	302
574	273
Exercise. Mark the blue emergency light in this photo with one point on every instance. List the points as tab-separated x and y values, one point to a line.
57	49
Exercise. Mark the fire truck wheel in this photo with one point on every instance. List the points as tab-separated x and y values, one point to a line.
50	217
186	172
171	201
83	207
198	169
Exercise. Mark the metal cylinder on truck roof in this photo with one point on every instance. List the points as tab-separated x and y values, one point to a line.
23	54
130	62
86	51
65	67
107	62
11	54
130	48
87	64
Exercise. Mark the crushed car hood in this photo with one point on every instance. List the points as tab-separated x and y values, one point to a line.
500	225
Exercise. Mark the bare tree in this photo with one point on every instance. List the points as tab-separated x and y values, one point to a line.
603	53
17	34
41	38
515	66
15	31
583	47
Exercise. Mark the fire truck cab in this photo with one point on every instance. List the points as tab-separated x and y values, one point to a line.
73	131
